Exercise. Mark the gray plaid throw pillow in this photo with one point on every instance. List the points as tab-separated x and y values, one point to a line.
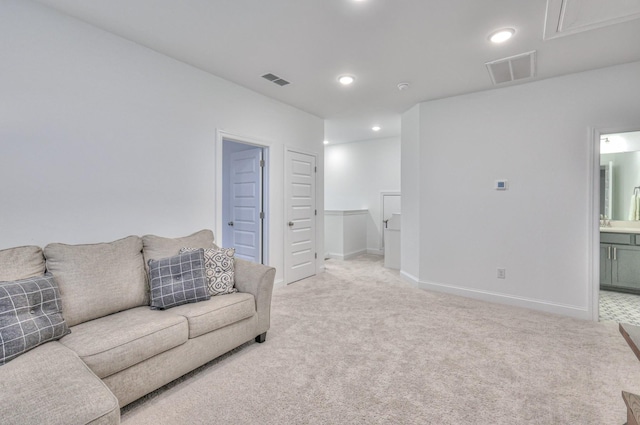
30	315
178	280
219	266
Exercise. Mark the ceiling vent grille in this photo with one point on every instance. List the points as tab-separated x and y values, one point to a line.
513	68
275	79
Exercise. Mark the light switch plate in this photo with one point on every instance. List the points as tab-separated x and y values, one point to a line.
502	185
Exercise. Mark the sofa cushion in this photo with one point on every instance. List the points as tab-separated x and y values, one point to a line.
30	315
219	268
51	385
21	262
99	279
178	280
115	342
218	312
156	247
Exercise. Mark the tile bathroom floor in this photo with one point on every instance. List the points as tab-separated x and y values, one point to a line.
619	307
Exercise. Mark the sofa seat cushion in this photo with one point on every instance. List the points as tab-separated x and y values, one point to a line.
115	342
216	313
51	385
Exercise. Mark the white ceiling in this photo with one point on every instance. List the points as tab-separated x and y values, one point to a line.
440	47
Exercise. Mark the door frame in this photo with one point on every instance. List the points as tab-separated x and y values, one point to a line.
319	225
593	230
221	136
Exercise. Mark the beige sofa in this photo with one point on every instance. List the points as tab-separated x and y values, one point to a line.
119	349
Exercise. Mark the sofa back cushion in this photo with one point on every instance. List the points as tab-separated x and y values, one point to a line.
156	247
21	262
99	279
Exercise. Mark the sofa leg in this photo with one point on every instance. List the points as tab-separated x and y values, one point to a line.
261	338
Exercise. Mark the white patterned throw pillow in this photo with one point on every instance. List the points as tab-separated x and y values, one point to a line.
220	269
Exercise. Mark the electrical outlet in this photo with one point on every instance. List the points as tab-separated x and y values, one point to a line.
502	273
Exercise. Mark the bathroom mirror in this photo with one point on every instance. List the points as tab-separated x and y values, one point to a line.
619	175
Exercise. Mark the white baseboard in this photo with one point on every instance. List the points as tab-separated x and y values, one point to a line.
410	279
346	256
495	297
375	251
278	284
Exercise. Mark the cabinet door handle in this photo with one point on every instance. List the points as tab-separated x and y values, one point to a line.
615	254
609	253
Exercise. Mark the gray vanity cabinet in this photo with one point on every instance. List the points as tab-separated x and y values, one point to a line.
620	262
605	265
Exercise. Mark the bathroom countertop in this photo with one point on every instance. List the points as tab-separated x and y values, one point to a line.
635	230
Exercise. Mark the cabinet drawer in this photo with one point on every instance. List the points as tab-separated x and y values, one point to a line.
618	238
637	239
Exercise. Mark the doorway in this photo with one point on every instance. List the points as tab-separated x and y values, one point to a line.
618	241
390	203
244	199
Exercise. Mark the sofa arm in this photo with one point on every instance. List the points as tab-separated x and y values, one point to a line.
257	279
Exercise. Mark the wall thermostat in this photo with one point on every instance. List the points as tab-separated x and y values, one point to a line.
502	185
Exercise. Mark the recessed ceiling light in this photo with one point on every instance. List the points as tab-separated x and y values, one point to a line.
345	80
502	35
326	142
375	128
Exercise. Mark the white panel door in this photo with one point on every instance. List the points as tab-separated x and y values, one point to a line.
246	204
300	199
391	203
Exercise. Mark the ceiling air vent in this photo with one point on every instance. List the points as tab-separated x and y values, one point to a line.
518	67
275	79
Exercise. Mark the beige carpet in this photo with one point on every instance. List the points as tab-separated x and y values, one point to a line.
356	345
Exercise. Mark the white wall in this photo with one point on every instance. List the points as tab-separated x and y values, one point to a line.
538	136
101	138
355	175
345	233
410	176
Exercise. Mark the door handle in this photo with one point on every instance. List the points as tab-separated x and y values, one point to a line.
385	223
290	224
230	223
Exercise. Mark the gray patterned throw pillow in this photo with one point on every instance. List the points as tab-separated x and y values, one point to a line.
178	280
30	315
220	269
